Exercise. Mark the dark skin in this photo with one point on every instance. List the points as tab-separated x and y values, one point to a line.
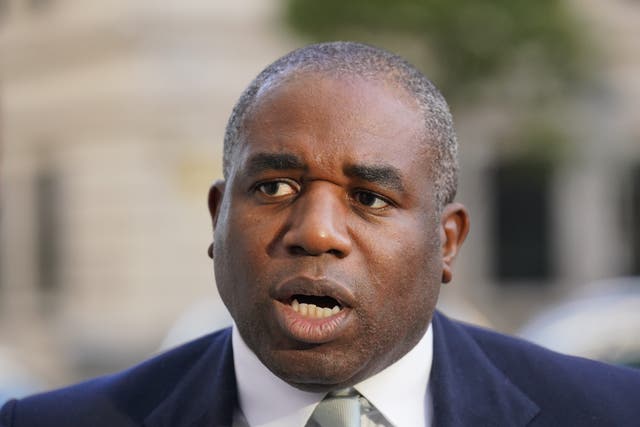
329	194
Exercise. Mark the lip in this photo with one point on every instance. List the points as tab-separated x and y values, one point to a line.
307	329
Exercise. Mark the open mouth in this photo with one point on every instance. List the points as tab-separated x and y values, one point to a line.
313	311
316	307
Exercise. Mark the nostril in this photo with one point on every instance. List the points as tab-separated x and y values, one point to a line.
298	250
337	253
301	251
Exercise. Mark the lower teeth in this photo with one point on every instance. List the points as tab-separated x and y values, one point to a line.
312	310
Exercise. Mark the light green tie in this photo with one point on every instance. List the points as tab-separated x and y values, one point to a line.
338	409
345	408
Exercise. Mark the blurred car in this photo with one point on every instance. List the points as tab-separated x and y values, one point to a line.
602	324
15	380
201	318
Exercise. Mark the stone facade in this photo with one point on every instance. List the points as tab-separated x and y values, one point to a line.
112	123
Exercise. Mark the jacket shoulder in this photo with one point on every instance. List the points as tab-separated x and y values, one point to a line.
123	399
566	388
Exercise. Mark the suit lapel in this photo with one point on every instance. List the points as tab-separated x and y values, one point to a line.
467	388
207	394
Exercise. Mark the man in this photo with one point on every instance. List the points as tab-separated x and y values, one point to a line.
333	230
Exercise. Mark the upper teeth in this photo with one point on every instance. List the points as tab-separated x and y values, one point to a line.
312	310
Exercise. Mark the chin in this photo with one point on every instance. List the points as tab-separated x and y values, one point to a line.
316	371
320	384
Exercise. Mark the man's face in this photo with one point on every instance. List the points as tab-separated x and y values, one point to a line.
329	203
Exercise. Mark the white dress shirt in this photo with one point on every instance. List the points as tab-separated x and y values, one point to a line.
400	391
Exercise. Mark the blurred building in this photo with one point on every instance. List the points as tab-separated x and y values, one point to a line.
540	232
112	123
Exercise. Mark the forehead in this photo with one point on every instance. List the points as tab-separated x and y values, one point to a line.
330	115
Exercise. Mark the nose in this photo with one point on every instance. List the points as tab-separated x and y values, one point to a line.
318	223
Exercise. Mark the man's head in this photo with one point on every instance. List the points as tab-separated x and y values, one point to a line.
334	227
342	59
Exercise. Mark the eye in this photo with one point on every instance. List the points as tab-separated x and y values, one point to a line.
370	200
277	188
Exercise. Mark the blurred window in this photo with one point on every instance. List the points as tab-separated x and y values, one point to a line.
1	262
48	233
39	5
4	10
633	222
521	249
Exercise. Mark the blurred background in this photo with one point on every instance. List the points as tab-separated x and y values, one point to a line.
112	118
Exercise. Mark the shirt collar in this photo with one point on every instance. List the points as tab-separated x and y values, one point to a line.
265	399
399	391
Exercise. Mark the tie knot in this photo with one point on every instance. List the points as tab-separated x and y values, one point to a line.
346	408
340	408
343	392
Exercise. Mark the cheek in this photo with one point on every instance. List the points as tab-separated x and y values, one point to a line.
408	273
228	259
411	253
240	261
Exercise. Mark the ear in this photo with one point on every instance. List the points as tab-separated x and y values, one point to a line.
215	201
454	226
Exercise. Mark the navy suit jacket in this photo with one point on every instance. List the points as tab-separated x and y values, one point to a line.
478	378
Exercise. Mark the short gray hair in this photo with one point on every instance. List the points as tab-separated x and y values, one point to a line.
365	61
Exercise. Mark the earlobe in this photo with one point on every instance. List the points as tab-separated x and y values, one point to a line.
454	227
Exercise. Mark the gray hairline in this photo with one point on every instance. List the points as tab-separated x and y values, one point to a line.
438	121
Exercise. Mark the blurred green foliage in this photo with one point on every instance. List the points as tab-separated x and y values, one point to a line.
460	44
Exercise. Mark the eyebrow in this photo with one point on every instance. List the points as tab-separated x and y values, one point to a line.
384	175
261	162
